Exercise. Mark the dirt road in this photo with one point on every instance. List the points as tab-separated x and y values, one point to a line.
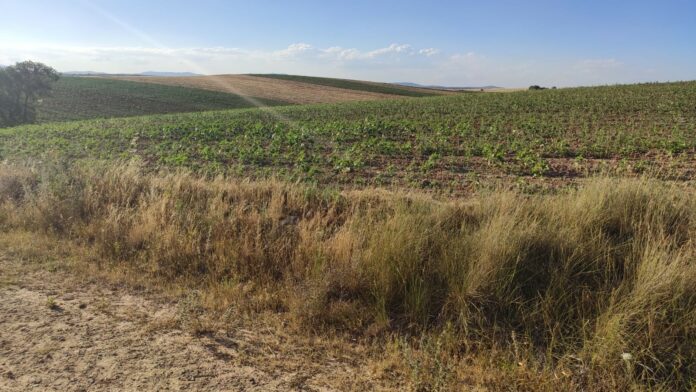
60	333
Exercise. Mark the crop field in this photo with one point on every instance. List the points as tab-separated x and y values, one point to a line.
450	143
295	91
382	88
78	98
528	240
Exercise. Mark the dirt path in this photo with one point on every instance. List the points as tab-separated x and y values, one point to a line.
61	334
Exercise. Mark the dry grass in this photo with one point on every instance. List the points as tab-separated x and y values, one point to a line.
267	88
592	289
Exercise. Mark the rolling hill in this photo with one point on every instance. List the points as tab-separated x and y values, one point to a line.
94	95
445	142
76	98
289	88
359	85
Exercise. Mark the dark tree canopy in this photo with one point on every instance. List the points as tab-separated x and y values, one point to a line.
21	86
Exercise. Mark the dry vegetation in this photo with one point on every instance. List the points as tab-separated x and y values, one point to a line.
266	88
591	289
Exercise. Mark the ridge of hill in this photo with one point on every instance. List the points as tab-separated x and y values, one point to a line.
446	88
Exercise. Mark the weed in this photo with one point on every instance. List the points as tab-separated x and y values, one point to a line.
52	304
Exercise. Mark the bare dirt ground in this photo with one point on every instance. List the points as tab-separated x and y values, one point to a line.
268	88
63	333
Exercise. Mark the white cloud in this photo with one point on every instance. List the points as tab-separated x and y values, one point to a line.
392	63
337	52
295	49
343	54
429	51
391	49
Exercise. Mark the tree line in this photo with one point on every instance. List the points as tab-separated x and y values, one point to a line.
22	86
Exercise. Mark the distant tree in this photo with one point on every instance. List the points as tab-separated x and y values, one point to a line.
536	87
21	86
6	101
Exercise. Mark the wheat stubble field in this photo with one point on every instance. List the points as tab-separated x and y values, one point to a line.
532	240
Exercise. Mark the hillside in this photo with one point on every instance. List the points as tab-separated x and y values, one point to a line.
295	89
76	98
108	96
449	143
375	87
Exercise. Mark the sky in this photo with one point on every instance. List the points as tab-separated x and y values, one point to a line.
456	43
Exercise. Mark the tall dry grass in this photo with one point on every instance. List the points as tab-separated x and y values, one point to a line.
597	284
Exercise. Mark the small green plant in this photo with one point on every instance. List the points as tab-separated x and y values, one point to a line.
494	153
430	163
52	304
532	162
641	166
349	161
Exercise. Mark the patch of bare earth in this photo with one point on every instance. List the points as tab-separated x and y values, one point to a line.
267	88
62	333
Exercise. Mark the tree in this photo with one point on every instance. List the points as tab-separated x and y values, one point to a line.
6	101
21	86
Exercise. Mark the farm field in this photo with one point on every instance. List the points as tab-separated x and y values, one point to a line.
78	98
332	196
450	143
382	88
529	240
295	89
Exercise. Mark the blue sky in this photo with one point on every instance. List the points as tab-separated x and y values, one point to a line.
508	43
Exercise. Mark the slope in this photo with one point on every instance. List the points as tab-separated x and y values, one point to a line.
77	98
375	87
269	88
448	142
